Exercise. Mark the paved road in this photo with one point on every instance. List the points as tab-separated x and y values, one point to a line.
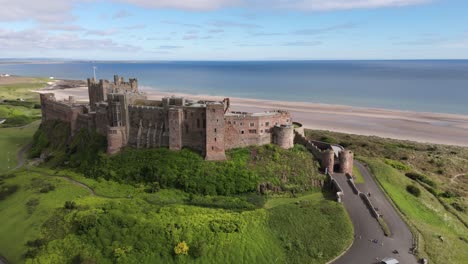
366	227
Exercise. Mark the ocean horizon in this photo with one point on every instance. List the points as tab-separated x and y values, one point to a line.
414	85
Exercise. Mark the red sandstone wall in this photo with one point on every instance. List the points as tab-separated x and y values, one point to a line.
246	130
215	132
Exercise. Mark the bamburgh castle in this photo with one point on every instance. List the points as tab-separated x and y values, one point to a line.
123	114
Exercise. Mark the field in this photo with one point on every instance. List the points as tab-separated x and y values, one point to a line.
139	223
438	215
18	105
11	139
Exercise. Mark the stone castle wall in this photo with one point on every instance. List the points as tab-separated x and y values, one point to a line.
243	129
120	112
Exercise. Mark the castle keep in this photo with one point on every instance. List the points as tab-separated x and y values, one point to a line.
119	111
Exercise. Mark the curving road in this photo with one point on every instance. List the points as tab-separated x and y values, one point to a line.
367	229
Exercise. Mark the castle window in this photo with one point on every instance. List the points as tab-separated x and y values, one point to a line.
204	123
215	140
215	130
287	120
267	123
241	124
229	122
235	122
261	131
252	131
212	148
276	123
252	124
198	122
186	128
242	132
185	114
191	114
213	110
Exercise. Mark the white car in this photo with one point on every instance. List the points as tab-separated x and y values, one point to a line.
389	261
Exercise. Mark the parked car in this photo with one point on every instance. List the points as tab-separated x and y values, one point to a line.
389	261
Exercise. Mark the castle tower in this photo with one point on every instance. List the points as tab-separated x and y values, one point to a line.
117	129
44	97
346	161
328	160
283	136
175	128
215	132
96	92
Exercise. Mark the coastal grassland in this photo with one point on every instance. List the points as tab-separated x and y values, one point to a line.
439	213
23	212
445	237
11	140
146	227
18	105
311	229
13	88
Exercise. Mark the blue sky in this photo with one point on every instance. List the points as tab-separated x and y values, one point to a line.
234	29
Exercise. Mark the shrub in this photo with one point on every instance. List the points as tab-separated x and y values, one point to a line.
47	188
449	194
421	178
70	205
458	207
7	190
413	190
181	248
31	205
397	165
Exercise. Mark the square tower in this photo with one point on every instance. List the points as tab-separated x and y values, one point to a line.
215	131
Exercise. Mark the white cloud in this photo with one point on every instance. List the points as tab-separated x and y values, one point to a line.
50	11
34	40
312	5
47	11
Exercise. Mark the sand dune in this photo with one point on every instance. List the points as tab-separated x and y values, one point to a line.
417	126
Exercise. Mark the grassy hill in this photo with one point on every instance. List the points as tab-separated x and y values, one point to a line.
438	215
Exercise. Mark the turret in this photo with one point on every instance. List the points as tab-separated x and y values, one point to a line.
215	132
346	161
328	160
283	136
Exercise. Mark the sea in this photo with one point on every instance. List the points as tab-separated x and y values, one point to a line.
414	85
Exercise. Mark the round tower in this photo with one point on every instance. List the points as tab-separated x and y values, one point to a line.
298	128
346	161
284	136
328	160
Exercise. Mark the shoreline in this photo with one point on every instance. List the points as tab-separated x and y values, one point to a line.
423	127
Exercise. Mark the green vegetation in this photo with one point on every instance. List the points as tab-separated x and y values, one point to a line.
414	190
18	105
438	216
11	140
358	178
424	213
281	170
69	224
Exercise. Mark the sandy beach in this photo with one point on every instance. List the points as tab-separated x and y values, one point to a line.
437	128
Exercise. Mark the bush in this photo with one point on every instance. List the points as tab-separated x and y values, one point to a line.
70	205
49	187
449	194
181	248
421	178
7	190
413	190
397	165
458	207
31	205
